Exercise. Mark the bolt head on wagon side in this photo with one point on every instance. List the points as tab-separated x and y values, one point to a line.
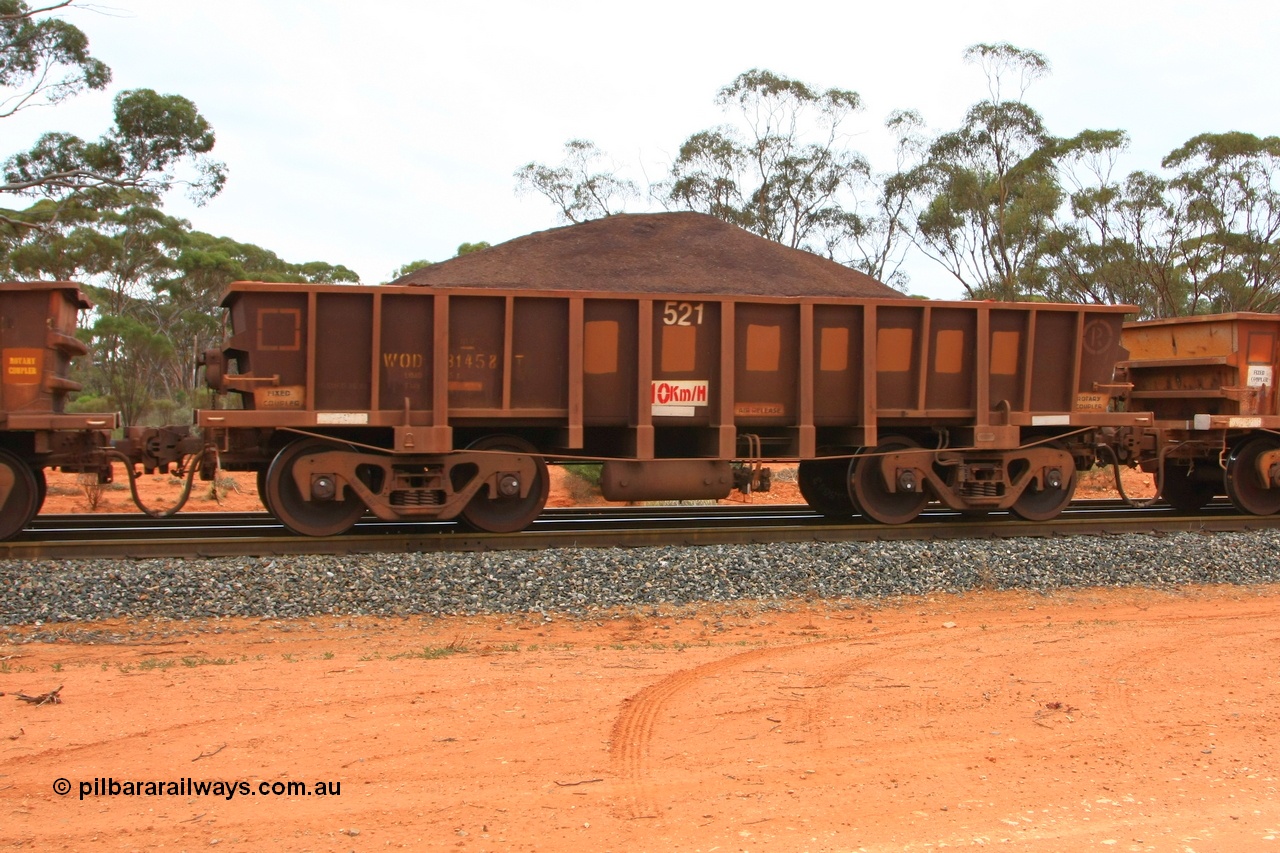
444	402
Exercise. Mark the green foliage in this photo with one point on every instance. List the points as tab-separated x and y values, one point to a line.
1203	239
89	403
1002	61
588	472
154	135
780	172
156	142
209	263
577	187
1225	193
130	359
463	249
988	191
43	61
412	266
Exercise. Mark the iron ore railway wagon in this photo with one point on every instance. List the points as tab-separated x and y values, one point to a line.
1209	382
413	402
37	345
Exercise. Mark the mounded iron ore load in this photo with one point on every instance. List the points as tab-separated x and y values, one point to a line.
651	253
448	401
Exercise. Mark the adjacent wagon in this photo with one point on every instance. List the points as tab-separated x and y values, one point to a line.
37	346
1210	383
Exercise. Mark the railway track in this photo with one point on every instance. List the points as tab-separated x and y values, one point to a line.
258	534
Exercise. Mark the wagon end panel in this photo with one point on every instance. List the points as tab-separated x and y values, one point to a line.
265	357
1214	367
1100	348
37	345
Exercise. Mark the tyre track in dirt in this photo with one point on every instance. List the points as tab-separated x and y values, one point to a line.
634	731
632	736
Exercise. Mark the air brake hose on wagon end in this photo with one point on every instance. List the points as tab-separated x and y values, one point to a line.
192	465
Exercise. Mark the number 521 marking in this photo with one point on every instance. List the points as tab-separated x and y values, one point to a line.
682	314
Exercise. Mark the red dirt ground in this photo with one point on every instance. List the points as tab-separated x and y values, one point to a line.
1093	719
1131	720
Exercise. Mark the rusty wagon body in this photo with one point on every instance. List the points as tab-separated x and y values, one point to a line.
418	402
1210	383
37	346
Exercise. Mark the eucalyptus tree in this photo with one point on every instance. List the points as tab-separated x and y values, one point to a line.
1226	191
155	143
879	238
1090	254
582	187
987	191
782	170
43	59
1200	238
1117	242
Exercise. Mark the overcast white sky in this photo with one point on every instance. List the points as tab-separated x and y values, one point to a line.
379	132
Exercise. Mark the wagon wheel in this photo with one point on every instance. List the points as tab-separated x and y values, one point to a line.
872	495
507	513
824	485
298	512
262	490
1043	504
42	489
1184	492
1245	488
24	494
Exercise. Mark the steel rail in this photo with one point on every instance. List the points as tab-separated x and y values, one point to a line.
257	534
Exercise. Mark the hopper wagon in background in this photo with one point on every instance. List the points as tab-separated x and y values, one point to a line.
444	402
37	346
1209	382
